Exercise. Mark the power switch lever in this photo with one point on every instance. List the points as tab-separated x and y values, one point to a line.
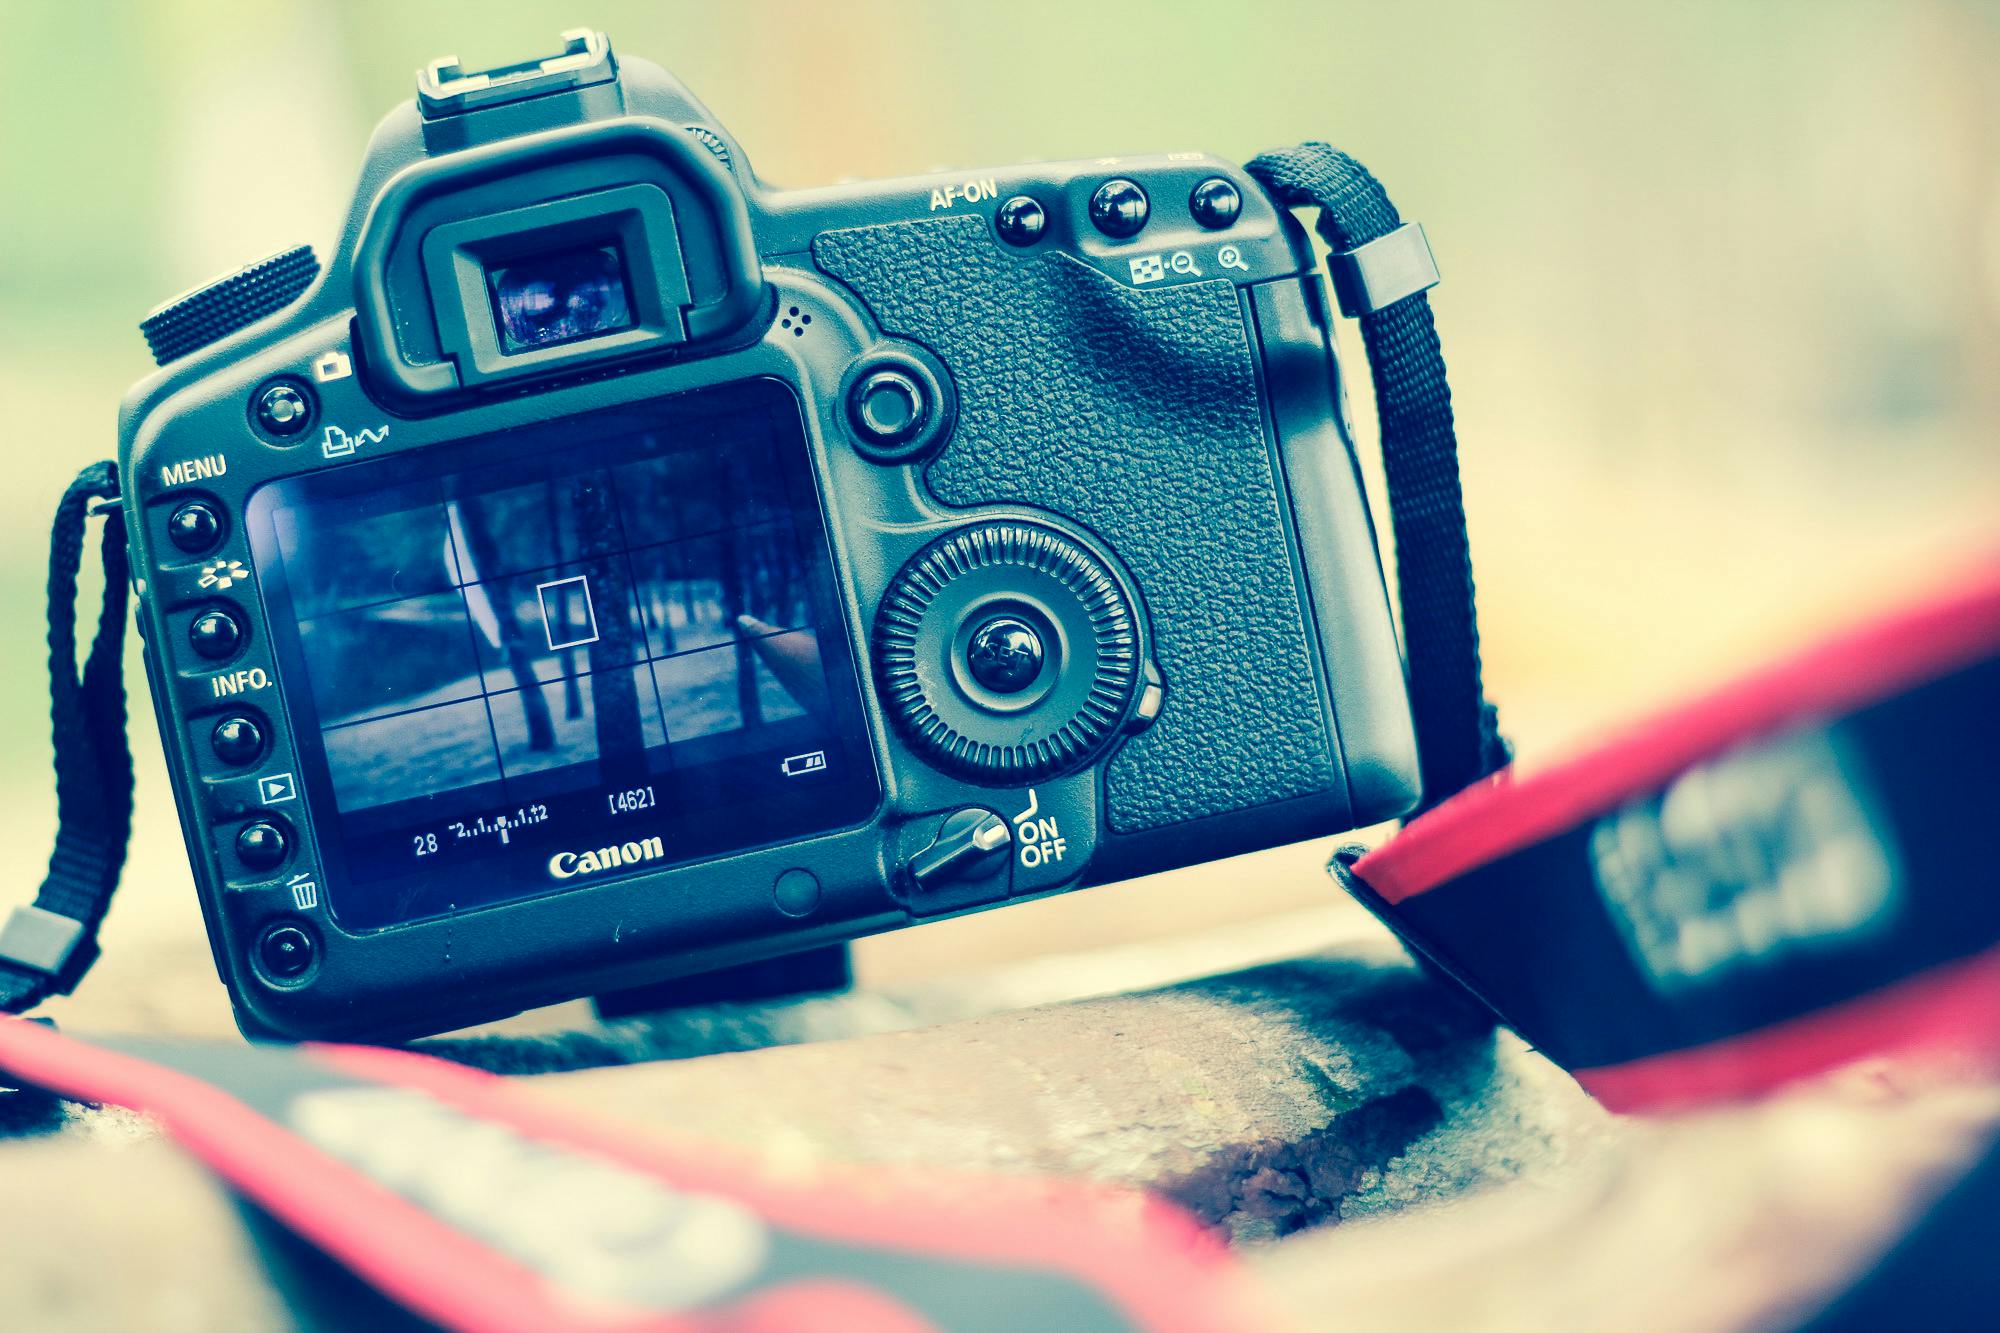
972	843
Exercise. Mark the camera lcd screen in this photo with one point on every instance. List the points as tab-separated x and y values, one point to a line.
560	297
579	650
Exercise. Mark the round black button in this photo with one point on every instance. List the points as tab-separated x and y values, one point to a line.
215	634
283	408
887	405
1005	655
1119	208
1215	203
237	740
796	892
1020	221
195	527
286	952
261	845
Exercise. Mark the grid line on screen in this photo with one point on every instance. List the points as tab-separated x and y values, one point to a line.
630	603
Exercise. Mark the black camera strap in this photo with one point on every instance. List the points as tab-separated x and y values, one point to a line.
1381	267
46	947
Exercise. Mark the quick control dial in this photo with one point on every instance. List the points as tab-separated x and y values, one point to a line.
1008	652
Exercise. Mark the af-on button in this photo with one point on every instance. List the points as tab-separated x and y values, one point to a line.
1021	220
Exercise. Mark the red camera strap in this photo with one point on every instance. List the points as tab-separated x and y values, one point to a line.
1793	872
476	1205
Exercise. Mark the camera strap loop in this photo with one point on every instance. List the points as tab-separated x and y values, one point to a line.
1458	735
1783	876
46	948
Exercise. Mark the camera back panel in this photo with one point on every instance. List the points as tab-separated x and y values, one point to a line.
964	551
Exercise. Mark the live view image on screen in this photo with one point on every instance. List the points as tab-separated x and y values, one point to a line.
611	629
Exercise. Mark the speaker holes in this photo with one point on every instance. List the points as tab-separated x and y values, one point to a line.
795	321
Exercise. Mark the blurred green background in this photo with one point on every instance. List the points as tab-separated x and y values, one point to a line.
1721	299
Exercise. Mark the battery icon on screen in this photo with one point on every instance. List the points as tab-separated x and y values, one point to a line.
801	764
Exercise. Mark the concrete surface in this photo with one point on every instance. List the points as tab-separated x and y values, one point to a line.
1383	1161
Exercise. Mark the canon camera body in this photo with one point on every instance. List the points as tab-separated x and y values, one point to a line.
611	568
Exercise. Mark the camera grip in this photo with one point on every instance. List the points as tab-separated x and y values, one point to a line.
1136	413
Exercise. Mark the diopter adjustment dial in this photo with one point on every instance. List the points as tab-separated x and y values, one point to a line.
208	314
1007	652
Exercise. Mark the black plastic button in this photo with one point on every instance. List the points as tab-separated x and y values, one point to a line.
796	892
195	527
1005	655
887	405
1119	208
286	952
1215	203
1020	221
215	635
283	409
237	740
261	845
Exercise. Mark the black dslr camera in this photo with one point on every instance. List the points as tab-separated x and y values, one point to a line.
612	568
